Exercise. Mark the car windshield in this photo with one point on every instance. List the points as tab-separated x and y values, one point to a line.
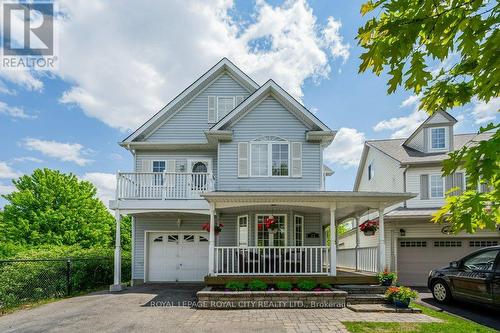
483	261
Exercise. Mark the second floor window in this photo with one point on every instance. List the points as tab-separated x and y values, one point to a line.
269	159
438	138
224	106
436	183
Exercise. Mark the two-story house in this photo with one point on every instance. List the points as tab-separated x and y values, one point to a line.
414	245
243	161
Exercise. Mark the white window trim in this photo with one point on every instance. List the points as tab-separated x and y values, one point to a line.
257	228
238	230
269	158
430	187
295	229
217	105
446	143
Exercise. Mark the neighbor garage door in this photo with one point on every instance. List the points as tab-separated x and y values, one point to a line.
416	257
177	257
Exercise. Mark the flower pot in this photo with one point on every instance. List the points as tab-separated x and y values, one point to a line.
369	232
402	303
386	283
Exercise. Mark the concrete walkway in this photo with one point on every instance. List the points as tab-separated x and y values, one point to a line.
160	308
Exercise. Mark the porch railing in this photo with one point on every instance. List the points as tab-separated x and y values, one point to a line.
163	185
367	258
284	260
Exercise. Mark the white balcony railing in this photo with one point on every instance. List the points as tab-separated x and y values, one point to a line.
367	258
163	185
282	260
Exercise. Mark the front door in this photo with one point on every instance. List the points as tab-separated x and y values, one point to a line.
199	179
474	280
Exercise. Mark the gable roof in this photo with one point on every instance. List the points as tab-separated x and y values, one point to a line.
224	65
426	121
405	155
290	103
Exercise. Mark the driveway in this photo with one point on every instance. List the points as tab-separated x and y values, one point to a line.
160	308
474	312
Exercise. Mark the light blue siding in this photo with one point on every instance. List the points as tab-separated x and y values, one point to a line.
269	118
228	236
188	124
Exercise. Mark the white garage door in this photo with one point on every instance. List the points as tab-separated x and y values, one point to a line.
177	257
416	257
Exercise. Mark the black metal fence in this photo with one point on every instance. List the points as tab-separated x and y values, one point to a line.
28	280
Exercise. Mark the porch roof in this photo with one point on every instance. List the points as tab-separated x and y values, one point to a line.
347	203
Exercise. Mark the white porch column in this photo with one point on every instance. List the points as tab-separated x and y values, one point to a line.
211	241
356	225
381	240
333	246
117	283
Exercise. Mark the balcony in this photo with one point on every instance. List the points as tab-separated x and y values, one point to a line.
163	185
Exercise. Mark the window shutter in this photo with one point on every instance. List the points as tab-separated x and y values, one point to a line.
424	187
448	184
458	181
243	159
212	111
147	166
296	159
239	99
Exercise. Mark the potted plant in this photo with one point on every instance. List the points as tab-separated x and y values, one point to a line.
400	296
217	228
369	227
386	278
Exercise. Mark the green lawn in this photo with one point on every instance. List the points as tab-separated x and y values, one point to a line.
450	324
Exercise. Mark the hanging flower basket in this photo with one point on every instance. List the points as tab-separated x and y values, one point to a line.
369	227
217	228
271	224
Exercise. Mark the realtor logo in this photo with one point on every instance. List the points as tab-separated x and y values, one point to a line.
28	35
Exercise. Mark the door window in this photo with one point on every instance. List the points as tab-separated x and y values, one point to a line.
483	261
199	181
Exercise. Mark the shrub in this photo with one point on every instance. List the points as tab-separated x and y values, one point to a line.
235	286
326	286
257	285
284	285
306	285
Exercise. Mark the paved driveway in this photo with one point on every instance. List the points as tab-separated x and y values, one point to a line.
155	308
479	314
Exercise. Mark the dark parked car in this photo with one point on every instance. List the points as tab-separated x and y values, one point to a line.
475	277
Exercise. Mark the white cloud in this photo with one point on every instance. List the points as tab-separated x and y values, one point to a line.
410	101
7	172
346	148
70	152
13	111
105	184
27	159
402	127
6	189
123	71
484	112
24	79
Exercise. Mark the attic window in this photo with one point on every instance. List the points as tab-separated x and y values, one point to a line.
371	171
438	138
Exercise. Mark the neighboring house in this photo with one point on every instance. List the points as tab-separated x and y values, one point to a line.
229	152
414	245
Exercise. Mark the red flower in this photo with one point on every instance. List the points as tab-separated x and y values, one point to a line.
370	225
260	226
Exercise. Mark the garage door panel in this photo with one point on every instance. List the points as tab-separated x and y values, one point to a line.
417	257
177	257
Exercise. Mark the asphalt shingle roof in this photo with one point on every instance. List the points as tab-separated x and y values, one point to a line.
405	155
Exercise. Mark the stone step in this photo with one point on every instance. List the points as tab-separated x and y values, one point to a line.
380	308
365	299
362	289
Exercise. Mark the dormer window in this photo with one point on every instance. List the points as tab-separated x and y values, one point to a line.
438	138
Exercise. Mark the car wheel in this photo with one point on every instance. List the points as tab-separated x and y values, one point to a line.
441	292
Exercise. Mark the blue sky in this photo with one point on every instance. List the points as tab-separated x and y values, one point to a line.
118	65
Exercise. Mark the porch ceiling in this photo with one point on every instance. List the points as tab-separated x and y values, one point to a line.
348	204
